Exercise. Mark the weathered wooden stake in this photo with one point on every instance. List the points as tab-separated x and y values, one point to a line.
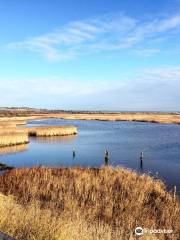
141	156
174	192
106	157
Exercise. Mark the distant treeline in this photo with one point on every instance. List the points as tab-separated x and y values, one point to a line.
25	111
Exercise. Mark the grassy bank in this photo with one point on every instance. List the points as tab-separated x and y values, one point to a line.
11	123
138	117
87	204
134	116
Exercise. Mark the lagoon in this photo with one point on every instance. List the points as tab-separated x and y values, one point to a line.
124	141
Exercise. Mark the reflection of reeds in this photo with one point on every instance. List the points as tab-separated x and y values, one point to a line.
13	138
56	139
48	131
13	149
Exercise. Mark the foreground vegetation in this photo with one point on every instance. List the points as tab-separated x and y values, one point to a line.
75	203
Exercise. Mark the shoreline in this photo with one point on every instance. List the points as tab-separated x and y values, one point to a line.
137	117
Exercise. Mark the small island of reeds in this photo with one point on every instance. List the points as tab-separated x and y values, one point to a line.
11	135
52	131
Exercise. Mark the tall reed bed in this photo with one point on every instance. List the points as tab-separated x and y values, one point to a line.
11	135
34	223
76	203
11	130
13	138
52	131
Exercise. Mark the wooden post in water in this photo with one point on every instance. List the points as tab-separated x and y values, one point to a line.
142	156
141	165
106	158
74	153
174	192
141	160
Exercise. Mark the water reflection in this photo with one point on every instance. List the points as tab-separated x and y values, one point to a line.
13	149
55	139
74	153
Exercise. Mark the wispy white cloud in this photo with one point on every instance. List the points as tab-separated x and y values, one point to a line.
147	52
55	86
104	33
148	89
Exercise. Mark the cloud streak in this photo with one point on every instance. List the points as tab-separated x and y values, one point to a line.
109	32
149	89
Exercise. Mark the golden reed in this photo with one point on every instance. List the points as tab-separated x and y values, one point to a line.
52	131
90	203
13	138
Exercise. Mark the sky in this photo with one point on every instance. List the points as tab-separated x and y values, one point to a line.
118	55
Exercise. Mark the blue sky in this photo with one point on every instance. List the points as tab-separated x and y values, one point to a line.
96	55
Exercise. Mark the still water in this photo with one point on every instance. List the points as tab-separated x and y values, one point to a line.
124	141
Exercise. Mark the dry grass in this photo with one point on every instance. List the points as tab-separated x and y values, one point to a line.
75	203
9	130
11	123
4	125
139	117
32	222
142	117
10	138
52	131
